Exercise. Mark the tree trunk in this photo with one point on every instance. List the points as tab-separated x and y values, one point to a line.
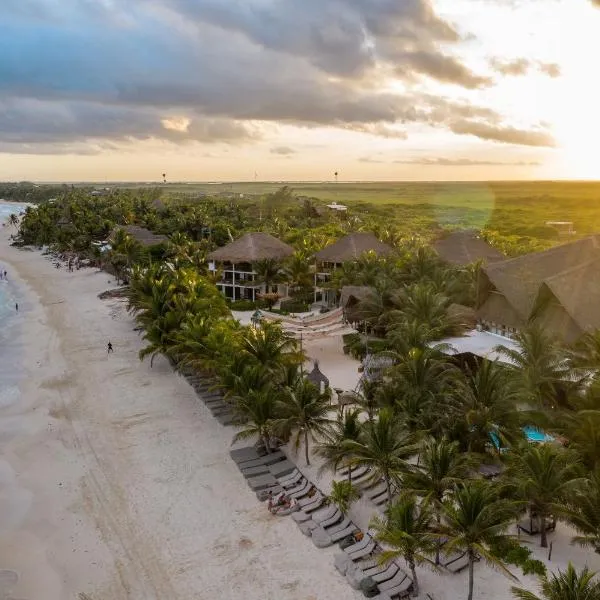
438	544
389	489
413	572
471	568
265	439
306	448
543	533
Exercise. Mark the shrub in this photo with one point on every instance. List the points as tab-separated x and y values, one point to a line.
292	306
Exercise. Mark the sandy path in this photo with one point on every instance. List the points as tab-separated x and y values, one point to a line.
115	481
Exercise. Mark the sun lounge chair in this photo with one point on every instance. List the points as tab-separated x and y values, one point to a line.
263	494
255	471
297	486
458	564
401	590
359	546
337	516
322	539
307	527
261	482
267	459
378	573
357	473
394	582
244	454
309	505
340	526
446	559
226	419
301	492
377	492
345	470
318	516
291	479
281	468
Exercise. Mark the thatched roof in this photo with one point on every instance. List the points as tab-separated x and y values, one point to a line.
519	279
352	247
316	377
143	236
466	247
252	247
464	315
356	292
578	291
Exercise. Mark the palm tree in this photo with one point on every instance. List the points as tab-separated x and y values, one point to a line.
257	409
423	380
303	409
583	512
13	220
539	365
489	409
343	494
347	426
566	585
407	530
384	446
441	466
270	346
544	476
268	271
476	518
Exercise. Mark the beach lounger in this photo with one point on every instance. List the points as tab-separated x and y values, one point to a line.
281	468
379	573
343	561
226	419
345	470
290	480
376	491
350	550
400	591
531	526
261	482
244	454
324	513
366	551
300	493
267	459
309	505
394	582
337	516
255	471
333	529
263	494
322	539
357	474
458	564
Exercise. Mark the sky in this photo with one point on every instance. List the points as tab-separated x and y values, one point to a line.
238	90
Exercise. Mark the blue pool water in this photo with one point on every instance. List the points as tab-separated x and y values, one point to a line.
536	435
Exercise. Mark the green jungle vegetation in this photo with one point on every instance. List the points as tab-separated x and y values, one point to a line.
454	418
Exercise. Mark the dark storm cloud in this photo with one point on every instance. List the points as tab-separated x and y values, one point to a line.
91	69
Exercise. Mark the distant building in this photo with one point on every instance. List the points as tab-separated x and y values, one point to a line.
337	207
143	236
349	248
236	260
462	248
558	288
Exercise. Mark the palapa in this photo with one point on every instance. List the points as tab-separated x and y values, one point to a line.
352	247
252	247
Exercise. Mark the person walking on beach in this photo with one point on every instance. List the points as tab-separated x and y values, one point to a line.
17	306
109	348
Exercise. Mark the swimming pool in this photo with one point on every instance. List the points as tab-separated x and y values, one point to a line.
536	435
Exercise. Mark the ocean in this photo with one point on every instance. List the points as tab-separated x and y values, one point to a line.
10	350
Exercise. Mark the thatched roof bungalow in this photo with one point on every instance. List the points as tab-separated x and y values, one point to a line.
143	236
462	248
352	247
237	260
350	298
252	247
558	288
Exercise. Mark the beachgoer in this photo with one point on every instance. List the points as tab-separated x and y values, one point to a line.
109	348
17	306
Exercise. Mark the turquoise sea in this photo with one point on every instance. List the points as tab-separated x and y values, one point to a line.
10	350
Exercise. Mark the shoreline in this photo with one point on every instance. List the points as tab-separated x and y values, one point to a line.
122	479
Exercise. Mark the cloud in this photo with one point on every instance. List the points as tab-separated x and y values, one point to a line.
502	134
216	71
464	162
516	67
521	66
370	161
282	150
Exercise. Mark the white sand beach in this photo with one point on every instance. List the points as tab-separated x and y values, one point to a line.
115	481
